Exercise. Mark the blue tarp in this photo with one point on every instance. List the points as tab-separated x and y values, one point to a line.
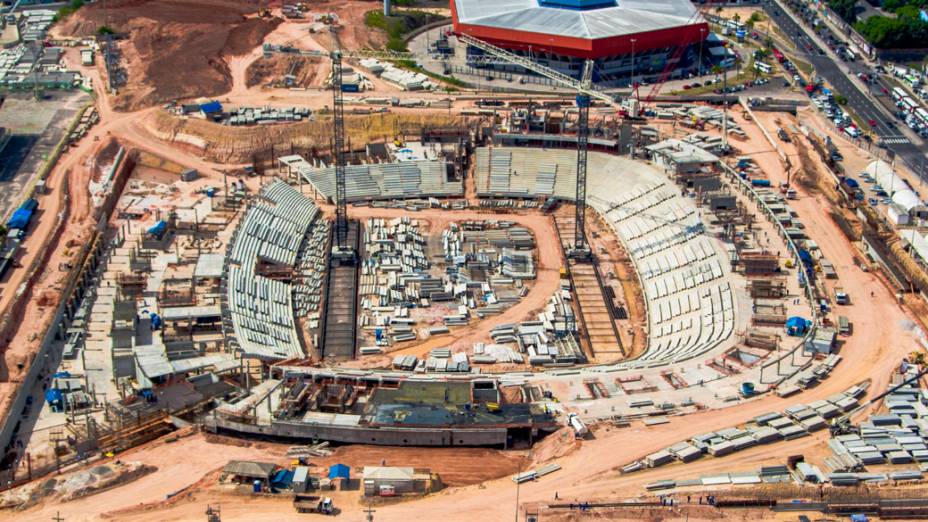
158	229
20	219
155	321
282	478
805	256
338	471
212	107
30	204
62	375
797	326
53	396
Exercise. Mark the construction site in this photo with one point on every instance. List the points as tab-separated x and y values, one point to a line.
288	258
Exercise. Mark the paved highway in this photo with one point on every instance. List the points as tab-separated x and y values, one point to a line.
861	103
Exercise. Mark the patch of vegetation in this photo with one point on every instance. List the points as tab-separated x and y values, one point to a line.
754	19
104	30
805	67
846	9
413	66
68	10
907	30
397	26
895	5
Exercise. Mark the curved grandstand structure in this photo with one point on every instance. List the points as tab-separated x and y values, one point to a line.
691	307
275	261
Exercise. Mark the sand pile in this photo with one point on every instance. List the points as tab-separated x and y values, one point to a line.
74	485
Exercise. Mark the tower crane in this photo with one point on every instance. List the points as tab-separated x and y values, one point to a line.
586	92
342	250
581	250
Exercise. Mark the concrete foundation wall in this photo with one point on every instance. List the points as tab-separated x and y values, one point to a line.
362	435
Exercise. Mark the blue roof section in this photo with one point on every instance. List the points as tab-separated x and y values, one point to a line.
282	478
577	4
339	471
20	219
53	395
796	326
211	107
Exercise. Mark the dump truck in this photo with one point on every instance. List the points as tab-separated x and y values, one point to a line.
305	503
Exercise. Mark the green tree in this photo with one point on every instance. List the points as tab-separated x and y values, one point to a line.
846	9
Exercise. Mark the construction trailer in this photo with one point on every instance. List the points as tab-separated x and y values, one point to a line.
821	341
381	481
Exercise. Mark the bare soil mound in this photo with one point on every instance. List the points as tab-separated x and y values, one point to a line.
85	482
224	144
270	72
174	48
455	466
556	445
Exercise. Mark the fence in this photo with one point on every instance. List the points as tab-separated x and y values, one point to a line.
748	189
49	352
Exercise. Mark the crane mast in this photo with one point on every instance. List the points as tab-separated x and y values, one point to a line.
585	95
338	112
580	248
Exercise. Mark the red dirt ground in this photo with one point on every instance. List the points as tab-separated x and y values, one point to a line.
174	48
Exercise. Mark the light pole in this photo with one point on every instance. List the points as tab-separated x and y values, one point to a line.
701	33
632	82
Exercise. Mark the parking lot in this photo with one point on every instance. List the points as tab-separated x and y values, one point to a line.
35	127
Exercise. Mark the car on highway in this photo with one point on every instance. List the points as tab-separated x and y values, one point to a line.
871	122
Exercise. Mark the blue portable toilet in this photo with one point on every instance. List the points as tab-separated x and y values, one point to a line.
747	388
378	334
256	487
155	321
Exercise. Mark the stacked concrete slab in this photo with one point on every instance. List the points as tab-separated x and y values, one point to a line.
898	436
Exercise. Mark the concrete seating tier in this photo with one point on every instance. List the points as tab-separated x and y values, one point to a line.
374	181
281	227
